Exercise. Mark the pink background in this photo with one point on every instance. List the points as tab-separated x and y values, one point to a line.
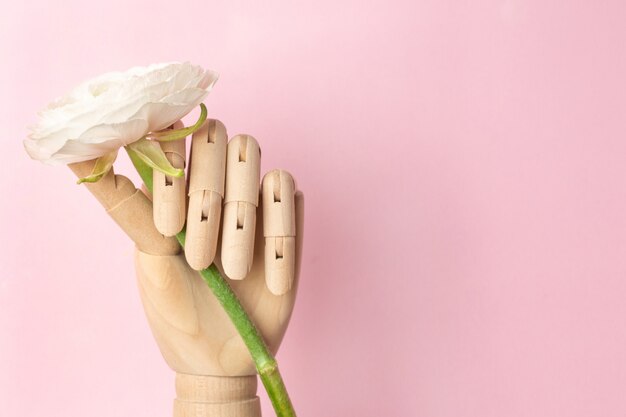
464	165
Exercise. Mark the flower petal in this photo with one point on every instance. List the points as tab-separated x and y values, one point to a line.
124	133
162	115
117	107
94	143
76	151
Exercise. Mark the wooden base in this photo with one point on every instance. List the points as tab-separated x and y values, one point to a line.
216	396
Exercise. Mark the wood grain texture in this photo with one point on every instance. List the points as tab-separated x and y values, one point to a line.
130	208
215	396
241	199
192	330
279	224
215	373
206	191
169	195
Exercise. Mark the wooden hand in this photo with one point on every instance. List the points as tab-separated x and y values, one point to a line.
215	373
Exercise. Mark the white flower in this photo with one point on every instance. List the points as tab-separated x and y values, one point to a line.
116	109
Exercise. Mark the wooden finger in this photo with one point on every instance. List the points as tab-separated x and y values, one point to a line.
169	197
299	203
206	191
130	208
243	163
279	230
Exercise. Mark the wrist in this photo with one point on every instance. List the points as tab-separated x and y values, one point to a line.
223	396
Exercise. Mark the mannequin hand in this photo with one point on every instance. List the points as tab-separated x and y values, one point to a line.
193	332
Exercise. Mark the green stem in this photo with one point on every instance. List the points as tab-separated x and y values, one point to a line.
276	390
266	365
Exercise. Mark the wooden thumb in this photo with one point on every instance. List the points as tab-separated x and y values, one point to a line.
130	208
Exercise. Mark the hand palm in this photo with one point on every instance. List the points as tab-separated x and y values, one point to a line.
191	328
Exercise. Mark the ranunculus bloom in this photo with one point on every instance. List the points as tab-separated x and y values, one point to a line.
115	109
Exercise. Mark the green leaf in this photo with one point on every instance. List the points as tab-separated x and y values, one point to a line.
100	169
170	135
151	153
